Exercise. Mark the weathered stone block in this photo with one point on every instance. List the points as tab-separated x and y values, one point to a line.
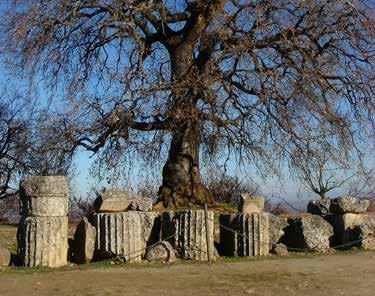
188	231
279	249
253	236
84	242
276	229
251	204
44	196
319	207
126	235
349	204
366	235
245	234
161	252
4	257
150	228
141	204
43	241
308	233
346	228
113	200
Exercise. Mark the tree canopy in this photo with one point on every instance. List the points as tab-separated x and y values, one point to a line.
264	79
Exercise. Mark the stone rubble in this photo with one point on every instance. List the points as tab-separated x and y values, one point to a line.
4	257
161	252
279	249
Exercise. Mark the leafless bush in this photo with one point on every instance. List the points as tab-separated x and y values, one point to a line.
14	143
9	210
23	142
227	189
147	189
371	208
80	206
276	209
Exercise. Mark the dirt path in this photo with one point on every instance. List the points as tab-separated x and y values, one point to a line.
352	274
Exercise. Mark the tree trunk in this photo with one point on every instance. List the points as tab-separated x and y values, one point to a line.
182	185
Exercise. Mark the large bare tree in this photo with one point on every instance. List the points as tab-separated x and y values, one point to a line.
22	144
13	146
258	78
323	173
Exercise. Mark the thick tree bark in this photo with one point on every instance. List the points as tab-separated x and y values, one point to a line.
182	185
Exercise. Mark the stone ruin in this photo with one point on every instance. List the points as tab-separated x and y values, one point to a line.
311	233
126	229
119	200
246	234
42	233
125	235
352	225
340	223
84	242
249	204
187	233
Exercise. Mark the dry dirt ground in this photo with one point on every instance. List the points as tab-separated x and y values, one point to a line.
343	274
338	274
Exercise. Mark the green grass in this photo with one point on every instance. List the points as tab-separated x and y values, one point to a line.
8	238
224	207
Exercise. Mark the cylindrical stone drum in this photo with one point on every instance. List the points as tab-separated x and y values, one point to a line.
44	196
43	241
189	230
126	235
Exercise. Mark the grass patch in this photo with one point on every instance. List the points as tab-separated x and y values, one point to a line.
224	207
8	237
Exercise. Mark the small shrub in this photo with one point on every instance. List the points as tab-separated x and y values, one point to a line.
227	189
147	189
80	207
371	208
9	210
276	209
